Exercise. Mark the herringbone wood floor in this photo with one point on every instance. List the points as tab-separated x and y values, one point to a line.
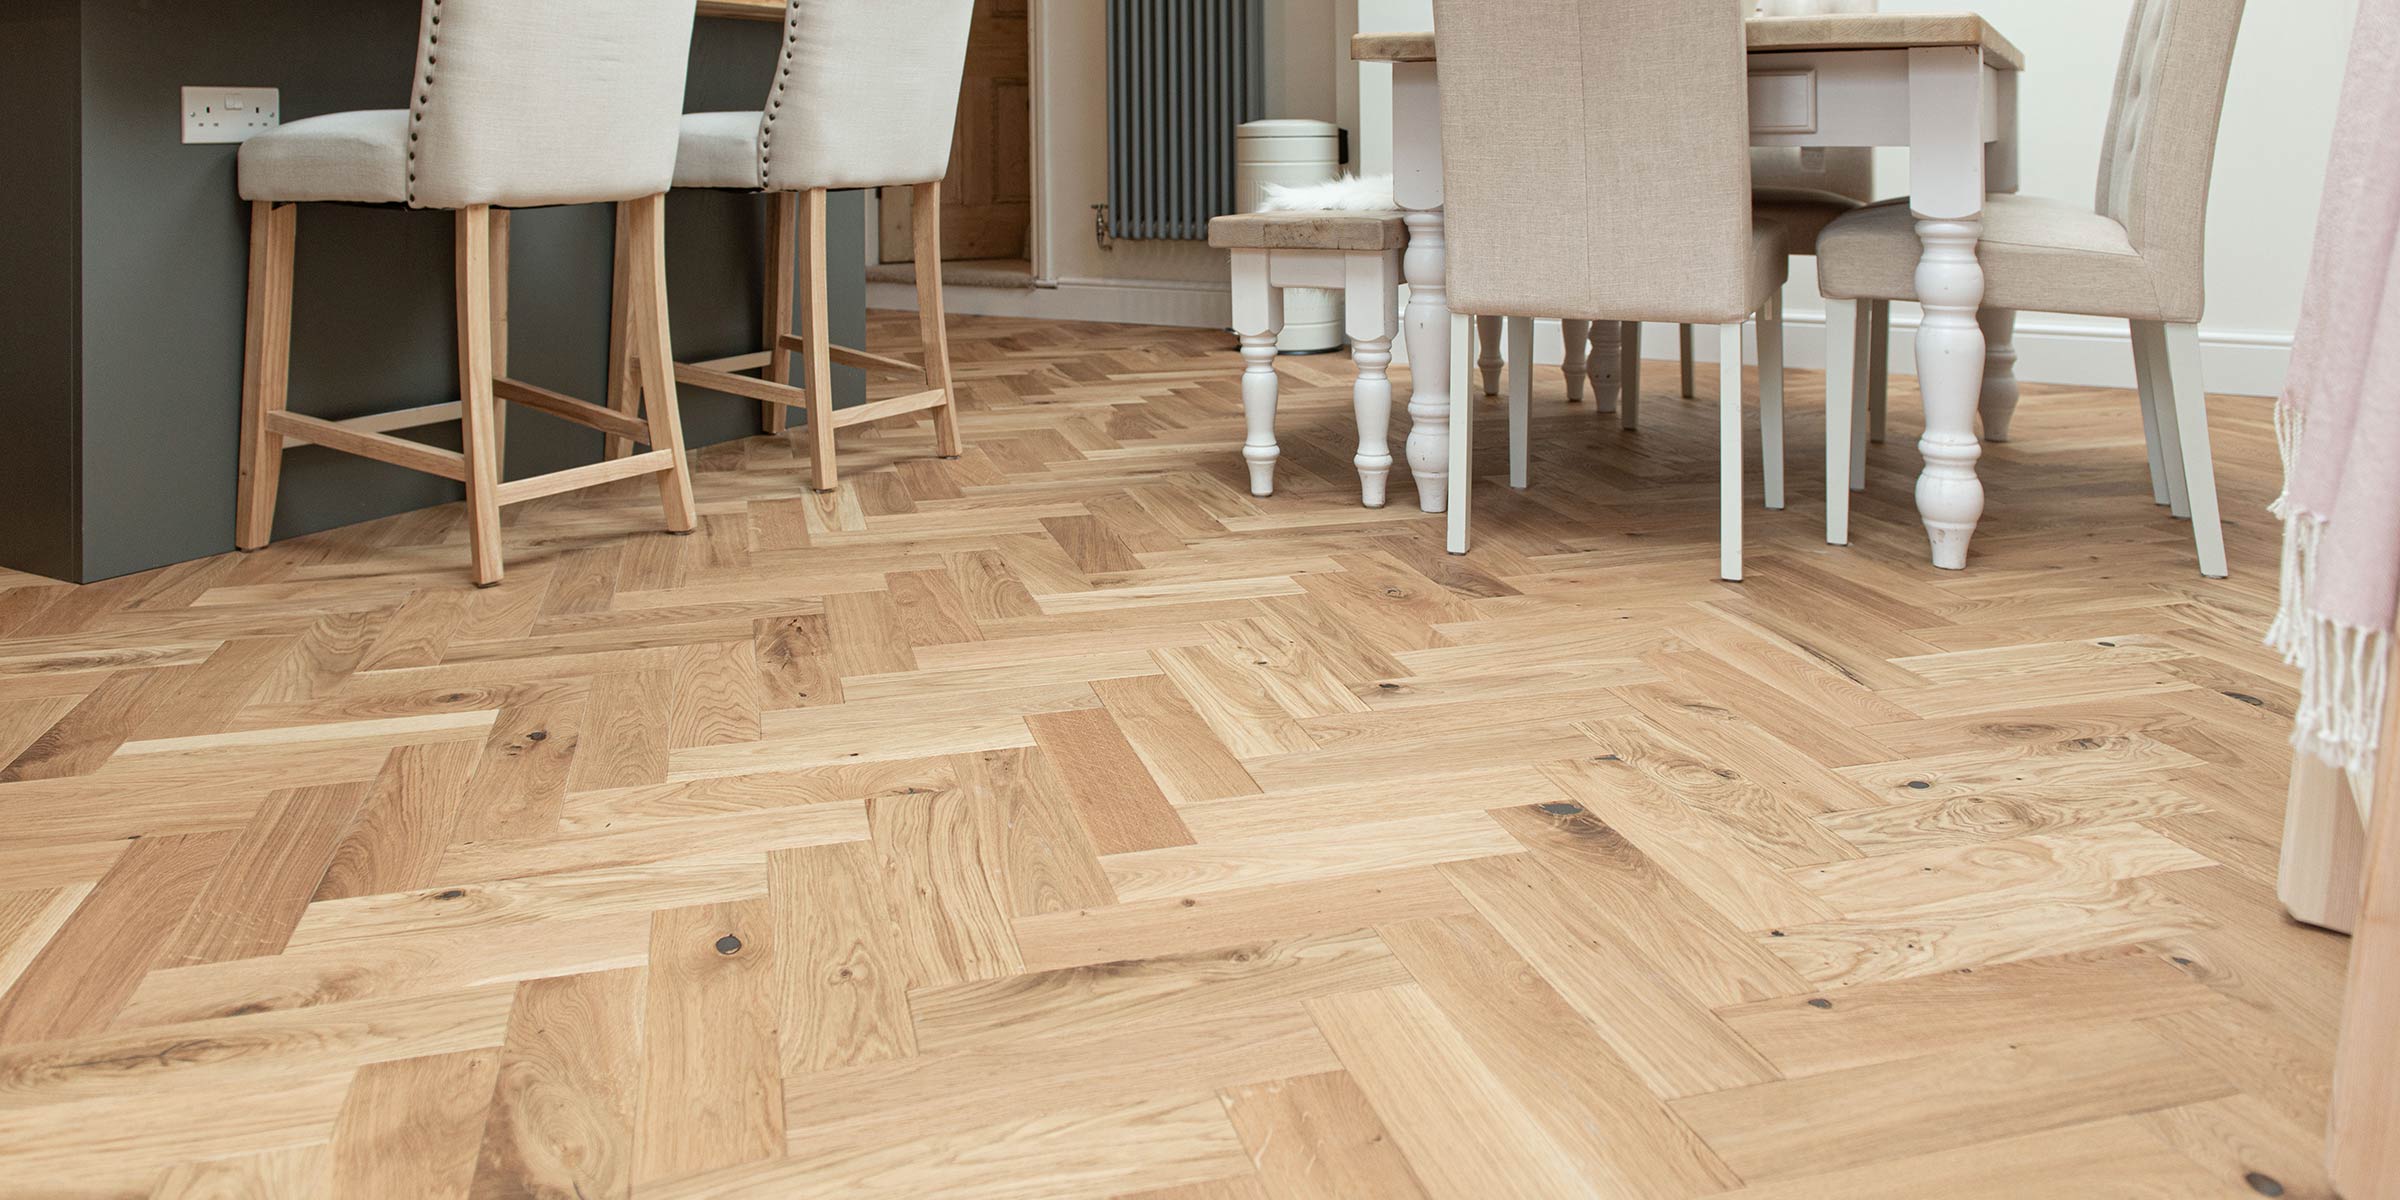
1062	821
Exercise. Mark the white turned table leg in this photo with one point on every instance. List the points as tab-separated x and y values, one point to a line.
1572	334
1998	403
1258	411
1601	365
1950	372
1428	325
1487	336
1371	316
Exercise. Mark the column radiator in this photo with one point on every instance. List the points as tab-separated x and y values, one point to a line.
1181	75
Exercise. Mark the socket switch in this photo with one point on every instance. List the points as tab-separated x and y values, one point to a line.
229	114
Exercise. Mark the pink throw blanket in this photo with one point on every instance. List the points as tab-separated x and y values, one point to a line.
2339	423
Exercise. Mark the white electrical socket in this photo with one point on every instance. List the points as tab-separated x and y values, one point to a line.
229	114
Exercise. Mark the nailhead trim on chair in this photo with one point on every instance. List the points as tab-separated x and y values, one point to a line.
423	95
783	79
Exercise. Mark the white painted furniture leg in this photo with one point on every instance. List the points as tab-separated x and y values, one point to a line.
1460	476
1257	318
1879	375
1572	334
1601	365
1629	373
1841	414
1520	400
2145	386
2323	841
2150	357
2190	405
1998	402
1371	316
1487	334
1945	164
1429	346
1770	397
1729	451
1683	350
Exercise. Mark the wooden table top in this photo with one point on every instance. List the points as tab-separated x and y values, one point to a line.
743	10
1836	31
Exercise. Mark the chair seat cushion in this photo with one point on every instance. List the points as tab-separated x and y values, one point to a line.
1802	212
718	150
2038	254
1365	231
360	157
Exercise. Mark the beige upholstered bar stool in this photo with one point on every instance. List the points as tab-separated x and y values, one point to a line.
514	104
865	96
2134	254
1631	202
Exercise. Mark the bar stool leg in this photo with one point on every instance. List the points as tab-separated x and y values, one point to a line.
500	223
933	326
815	332
476	400
783	215
655	351
266	369
624	387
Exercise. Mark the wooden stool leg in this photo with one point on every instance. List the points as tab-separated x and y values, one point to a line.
624	386
499	340
476	402
783	210
655	353
2362	1154
933	327
1683	350
266	369
815	331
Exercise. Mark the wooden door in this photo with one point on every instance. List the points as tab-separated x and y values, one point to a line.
987	198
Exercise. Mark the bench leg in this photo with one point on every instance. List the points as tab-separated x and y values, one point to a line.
1371	316
1257	318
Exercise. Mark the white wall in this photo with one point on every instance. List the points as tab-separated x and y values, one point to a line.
2270	169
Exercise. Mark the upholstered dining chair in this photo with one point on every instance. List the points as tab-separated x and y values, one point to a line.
514	104
865	96
1629	202
2135	254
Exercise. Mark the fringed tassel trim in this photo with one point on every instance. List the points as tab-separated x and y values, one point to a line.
2344	669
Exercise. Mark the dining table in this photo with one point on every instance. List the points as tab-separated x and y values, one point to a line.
1944	85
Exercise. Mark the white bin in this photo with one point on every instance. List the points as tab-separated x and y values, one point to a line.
1292	152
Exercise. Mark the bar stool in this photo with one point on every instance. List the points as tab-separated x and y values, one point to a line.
514	104
865	96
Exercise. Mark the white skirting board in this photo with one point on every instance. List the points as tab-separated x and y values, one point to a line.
2050	349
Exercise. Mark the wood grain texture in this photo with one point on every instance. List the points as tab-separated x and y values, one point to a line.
1090	827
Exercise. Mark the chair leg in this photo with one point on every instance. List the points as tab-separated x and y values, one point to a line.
1729	451
816	333
1770	397
500	226
1862	390
1520	399
933	329
1573	334
2188	398
656	354
1683	351
476	401
1841	370
1487	332
783	210
1629	374
1462	431
624	384
1879	368
2158	417
266	369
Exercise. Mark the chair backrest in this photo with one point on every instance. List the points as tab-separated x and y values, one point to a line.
1846	171
866	94
2161	141
1595	158
524	102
